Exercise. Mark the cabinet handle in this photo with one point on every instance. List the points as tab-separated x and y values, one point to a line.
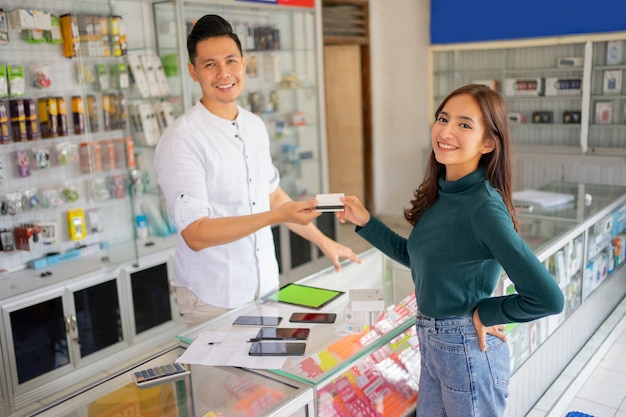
73	325
68	324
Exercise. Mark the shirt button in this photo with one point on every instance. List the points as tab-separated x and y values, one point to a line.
236	136
253	203
250	179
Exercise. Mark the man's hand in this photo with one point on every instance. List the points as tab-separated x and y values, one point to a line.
482	331
298	212
335	251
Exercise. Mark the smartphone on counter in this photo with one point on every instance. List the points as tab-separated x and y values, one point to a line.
257	321
283	333
277	349
313	318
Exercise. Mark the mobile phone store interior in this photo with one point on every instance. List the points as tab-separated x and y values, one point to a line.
347	90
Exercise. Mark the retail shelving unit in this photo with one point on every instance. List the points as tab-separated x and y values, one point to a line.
73	298
59	297
573	127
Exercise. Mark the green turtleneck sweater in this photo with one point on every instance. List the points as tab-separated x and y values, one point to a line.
456	252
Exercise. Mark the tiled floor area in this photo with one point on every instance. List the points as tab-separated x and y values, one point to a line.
595	381
604	391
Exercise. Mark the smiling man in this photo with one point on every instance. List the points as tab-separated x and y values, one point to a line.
222	190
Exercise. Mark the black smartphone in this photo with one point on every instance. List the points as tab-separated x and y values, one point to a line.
313	318
257	321
282	333
277	349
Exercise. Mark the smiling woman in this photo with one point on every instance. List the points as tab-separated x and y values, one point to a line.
465	232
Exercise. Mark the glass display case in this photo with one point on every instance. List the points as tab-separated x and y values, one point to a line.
151	297
52	333
370	362
353	363
242	392
349	370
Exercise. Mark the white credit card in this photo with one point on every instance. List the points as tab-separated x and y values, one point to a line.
329	202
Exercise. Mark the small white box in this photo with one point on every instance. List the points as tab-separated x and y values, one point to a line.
367	300
165	114
159	72
612	82
614	51
21	19
516	117
604	112
559	86
147	62
523	86
569	61
139	76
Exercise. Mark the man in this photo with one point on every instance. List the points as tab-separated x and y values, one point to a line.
222	190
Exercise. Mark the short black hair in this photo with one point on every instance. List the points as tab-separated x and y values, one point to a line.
209	26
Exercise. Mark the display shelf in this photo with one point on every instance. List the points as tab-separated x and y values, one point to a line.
575	243
100	318
547	60
49	176
233	391
85	279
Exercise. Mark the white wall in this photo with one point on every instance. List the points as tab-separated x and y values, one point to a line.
400	38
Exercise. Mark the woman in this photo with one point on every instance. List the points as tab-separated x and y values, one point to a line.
465	231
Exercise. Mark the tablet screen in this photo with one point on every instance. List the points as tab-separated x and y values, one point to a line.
304	295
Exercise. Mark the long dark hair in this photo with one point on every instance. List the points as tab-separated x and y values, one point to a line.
497	163
209	26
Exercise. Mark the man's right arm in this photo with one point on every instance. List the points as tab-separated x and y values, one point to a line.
207	232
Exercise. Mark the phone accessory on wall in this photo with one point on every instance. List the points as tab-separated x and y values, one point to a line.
23	163
76	224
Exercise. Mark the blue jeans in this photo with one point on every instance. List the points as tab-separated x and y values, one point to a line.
457	379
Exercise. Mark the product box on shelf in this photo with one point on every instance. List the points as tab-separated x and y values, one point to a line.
571	117
517	117
139	77
604	112
20	19
614	52
543	116
4	27
569	61
523	86
612	82
558	86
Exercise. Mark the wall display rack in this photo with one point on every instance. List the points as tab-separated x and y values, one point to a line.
98	177
562	93
71	188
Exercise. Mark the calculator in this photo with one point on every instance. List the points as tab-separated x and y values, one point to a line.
159	375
